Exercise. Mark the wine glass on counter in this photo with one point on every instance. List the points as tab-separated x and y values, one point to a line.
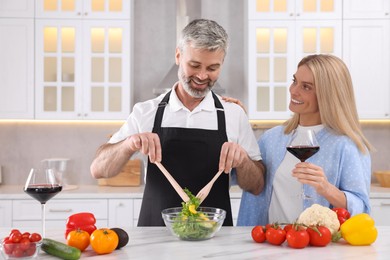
303	145
42	185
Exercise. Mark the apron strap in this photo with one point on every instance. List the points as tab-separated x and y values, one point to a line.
160	113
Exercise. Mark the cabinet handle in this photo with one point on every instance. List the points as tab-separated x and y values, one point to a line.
385	203
85	13
386	13
78	13
60	210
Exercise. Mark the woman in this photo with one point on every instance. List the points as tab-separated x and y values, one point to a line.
339	174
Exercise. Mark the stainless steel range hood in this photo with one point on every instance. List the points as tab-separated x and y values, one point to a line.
186	11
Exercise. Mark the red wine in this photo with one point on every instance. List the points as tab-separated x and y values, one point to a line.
43	192
303	152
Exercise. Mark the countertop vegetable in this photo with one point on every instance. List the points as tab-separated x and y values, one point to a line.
228	243
359	230
320	215
83	220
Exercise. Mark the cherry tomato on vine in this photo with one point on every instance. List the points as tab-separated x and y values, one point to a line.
297	237
288	227
275	235
258	234
319	236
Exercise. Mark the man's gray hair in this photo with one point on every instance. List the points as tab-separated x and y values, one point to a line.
204	34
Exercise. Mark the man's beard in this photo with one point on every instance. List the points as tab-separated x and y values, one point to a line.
195	93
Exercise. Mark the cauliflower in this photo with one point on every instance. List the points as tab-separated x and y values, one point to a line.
320	215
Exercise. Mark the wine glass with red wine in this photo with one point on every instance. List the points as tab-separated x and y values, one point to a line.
42	185
303	145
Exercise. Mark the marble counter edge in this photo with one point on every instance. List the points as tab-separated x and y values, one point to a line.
136	192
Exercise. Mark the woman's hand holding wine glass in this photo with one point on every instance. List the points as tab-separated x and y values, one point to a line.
42	185
303	145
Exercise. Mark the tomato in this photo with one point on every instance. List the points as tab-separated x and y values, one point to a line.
78	238
8	246
297	237
17	252
258	234
288	227
275	235
31	250
104	241
15	237
35	237
319	236
342	214
26	234
24	243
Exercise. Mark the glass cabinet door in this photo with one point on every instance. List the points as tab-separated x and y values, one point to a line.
85	9
271	64
58	64
106	75
294	9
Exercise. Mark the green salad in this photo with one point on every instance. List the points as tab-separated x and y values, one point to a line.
191	224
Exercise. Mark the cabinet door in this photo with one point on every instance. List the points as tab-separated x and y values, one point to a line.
366	9
58	210
137	210
274	10
313	37
83	9
271	64
120	212
294	9
367	55
58	88
318	9
380	211
16	8
5	213
106	70
16	68
108	9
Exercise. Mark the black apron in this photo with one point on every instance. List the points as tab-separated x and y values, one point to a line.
191	156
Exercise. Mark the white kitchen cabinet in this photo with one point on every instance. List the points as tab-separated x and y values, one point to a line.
82	63
5	213
120	212
380	211
366	41
362	9
82	69
16	8
27	213
16	68
277	43
137	209
85	9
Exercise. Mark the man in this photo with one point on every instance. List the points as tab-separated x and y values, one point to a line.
189	131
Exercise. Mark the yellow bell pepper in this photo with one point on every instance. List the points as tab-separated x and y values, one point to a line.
359	230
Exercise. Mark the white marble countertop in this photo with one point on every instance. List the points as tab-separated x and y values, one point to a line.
91	192
107	192
229	243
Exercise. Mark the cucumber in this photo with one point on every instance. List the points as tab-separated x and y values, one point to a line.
60	250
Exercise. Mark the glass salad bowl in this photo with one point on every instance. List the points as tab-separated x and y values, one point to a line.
204	225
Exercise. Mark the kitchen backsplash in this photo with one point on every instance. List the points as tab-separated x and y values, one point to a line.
25	144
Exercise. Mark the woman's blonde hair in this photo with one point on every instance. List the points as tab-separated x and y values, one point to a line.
335	97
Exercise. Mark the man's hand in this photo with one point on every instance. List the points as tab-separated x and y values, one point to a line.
232	156
147	143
